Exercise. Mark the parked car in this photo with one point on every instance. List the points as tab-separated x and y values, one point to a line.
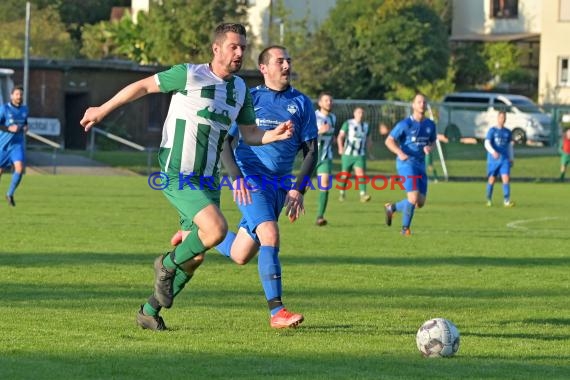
471	114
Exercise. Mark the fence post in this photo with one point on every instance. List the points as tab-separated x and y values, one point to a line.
91	143
148	160
54	160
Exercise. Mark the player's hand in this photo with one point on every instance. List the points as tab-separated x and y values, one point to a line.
241	190
402	156
496	155
428	149
294	205
13	128
92	116
325	127
283	131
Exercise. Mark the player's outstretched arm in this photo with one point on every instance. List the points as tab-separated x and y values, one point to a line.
252	135
294	202
394	148
131	92
239	187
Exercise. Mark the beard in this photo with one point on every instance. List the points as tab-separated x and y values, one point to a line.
234	66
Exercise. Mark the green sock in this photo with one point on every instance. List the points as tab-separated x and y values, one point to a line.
323	200
562	176
149	310
190	247
180	280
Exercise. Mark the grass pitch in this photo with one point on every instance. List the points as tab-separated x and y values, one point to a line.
76	262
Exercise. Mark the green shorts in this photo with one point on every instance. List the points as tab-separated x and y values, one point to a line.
324	167
190	200
565	159
350	162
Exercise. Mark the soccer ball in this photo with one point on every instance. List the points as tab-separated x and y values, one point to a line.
438	337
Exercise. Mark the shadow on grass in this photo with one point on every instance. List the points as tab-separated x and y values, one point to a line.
150	363
35	260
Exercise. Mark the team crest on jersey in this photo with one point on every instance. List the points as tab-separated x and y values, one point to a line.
428	130
292	108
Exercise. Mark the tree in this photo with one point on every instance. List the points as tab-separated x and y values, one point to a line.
173	31
371	48
118	38
48	36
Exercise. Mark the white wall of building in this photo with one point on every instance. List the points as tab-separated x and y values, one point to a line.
471	17
554	47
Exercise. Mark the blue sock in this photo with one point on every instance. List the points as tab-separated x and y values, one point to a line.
507	191
401	206
489	191
408	214
16	178
225	247
270	275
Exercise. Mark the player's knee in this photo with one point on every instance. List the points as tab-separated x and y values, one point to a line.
219	234
241	260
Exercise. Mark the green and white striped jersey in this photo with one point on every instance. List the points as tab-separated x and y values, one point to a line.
325	140
356	135
201	111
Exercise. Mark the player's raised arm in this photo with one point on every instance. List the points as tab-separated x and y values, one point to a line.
131	92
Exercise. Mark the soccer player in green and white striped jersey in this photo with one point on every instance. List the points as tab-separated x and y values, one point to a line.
353	142
206	99
326	122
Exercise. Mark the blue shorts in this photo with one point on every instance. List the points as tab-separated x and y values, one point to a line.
415	177
266	205
11	153
498	167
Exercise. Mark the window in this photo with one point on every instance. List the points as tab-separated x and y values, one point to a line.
564	10
563	71
504	8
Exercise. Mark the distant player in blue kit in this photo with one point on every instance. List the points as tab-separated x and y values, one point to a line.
411	140
500	159
274	102
13	127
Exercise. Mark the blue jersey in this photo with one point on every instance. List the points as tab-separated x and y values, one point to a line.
272	108
500	139
10	115
413	136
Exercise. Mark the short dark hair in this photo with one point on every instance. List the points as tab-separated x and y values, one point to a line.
418	93
324	93
264	55
16	88
502	111
222	29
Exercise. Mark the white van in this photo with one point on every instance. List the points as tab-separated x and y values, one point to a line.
471	114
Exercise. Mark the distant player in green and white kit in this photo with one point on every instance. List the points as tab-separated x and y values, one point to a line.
326	122
206	99
353	142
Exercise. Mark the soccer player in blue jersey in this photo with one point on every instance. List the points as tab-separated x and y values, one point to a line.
411	140
274	102
13	127
500	159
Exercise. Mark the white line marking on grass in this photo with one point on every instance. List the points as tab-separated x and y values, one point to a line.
517	223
